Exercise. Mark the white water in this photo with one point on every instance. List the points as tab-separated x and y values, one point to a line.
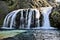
46	23
6	20
13	19
57	0
29	19
10	23
38	16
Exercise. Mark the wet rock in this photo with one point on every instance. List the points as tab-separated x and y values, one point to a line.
47	34
55	19
3	11
9	38
37	35
22	36
25	36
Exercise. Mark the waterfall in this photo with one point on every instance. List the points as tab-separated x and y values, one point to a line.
57	0
28	19
22	18
13	19
38	16
46	23
7	19
10	19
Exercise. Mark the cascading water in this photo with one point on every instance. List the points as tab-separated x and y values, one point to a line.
10	20
7	19
29	18
38	21
45	12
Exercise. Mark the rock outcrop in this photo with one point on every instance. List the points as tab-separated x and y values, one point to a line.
37	35
22	36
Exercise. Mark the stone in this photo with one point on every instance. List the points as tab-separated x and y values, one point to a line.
25	36
9	38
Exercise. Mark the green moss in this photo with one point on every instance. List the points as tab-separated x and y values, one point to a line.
55	13
55	19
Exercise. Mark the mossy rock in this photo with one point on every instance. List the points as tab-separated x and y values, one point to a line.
3	11
55	19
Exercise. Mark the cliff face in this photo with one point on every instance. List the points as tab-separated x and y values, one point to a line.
19	4
3	11
36	3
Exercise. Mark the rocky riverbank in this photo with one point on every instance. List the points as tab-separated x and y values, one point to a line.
37	35
47	35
